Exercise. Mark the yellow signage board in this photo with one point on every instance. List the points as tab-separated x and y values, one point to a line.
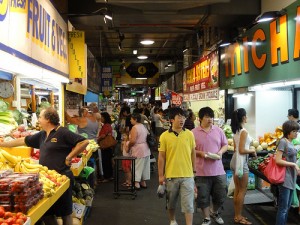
77	57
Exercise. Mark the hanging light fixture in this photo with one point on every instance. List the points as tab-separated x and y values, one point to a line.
147	42
269	16
142	57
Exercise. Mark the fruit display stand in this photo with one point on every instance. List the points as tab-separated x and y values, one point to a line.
85	157
36	212
22	151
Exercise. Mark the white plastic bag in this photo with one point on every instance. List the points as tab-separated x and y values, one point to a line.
240	159
231	188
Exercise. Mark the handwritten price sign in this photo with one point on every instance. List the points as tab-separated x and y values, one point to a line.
78	210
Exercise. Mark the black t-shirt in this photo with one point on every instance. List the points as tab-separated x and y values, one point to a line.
55	149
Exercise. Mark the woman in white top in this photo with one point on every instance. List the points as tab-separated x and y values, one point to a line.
239	162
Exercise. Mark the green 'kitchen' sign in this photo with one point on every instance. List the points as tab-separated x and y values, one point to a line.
267	53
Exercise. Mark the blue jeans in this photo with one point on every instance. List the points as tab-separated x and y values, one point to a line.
284	203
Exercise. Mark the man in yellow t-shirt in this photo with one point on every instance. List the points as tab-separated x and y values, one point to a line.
176	166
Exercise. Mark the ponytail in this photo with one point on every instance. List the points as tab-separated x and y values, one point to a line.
237	119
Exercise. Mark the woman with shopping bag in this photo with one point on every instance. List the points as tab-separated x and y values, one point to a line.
286	156
239	162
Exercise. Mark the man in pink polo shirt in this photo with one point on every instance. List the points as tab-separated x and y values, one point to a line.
211	143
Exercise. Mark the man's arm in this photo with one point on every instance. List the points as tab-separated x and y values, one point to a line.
14	143
79	147
161	166
193	155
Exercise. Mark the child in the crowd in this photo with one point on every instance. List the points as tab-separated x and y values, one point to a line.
126	164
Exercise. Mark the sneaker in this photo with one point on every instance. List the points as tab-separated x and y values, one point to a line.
173	222
206	222
216	216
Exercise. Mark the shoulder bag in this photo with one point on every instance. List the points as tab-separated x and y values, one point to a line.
107	142
273	172
151	139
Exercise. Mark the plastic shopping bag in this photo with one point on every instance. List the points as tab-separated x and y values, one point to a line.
295	200
240	160
231	188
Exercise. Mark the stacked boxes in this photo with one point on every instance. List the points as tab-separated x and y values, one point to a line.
19	192
251	179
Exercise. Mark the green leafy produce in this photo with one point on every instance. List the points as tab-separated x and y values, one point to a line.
43	105
18	116
3	105
7	118
227	130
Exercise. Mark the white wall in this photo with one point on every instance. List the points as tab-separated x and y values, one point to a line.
271	110
273	5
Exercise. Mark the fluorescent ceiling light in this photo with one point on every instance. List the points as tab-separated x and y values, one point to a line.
281	84
237	95
134	51
147	42
107	16
142	57
224	44
141	78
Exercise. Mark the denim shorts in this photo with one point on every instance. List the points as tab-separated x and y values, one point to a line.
183	187
213	187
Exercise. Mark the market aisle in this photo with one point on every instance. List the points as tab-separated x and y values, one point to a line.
147	208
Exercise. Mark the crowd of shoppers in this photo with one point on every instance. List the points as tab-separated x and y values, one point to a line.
189	158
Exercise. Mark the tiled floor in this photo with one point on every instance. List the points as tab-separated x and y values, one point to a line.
147	208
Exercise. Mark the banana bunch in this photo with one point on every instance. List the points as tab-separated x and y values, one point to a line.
5	166
25	167
48	185
7	157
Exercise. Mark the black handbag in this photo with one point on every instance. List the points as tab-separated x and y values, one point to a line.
151	140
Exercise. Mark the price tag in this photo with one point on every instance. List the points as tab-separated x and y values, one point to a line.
78	210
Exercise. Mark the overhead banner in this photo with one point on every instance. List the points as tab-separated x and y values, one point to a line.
77	56
203	75
267	52
106	80
34	32
202	96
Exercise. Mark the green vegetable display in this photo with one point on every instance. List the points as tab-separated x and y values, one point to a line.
227	130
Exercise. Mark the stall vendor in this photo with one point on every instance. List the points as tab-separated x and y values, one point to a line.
57	147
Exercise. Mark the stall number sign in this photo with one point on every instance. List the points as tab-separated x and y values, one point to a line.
78	210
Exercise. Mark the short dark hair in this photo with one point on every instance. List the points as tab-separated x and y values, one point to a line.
51	115
175	111
288	127
137	117
206	111
106	117
293	112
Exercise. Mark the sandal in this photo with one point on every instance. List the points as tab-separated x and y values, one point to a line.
242	220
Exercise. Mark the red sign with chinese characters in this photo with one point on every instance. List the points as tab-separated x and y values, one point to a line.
203	75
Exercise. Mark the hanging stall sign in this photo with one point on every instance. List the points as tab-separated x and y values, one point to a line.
77	56
202	96
268	52
142	70
34	32
203	75
106	80
176	99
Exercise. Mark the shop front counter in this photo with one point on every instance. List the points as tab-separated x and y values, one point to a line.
37	211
